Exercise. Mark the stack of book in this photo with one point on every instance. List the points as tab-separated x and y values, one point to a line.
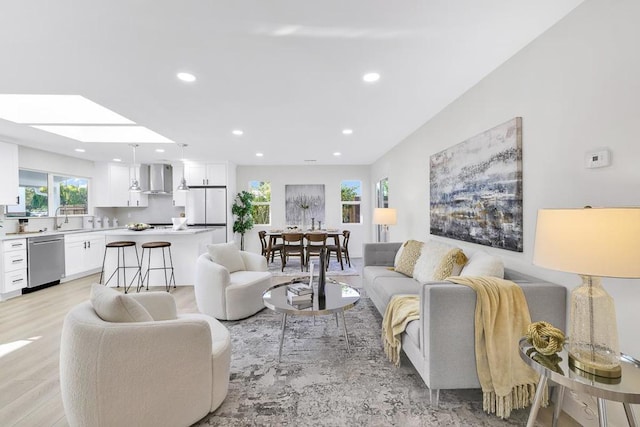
300	295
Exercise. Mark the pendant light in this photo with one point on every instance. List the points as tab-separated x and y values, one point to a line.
183	182
135	186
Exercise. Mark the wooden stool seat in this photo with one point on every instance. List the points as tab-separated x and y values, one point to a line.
152	245
120	244
148	246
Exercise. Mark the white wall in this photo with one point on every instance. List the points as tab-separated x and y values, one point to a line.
577	88
330	176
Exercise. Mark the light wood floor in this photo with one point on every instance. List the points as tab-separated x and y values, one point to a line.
30	328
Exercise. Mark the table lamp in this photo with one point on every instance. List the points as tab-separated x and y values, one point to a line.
594	243
385	217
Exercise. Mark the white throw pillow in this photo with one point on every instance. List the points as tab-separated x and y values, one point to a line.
438	261
398	255
227	255
113	306
483	264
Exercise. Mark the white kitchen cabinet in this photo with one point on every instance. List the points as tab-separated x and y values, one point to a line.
83	252
111	186
179	197
13	267
9	168
206	173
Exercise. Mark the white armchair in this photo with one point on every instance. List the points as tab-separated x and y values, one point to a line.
230	289
171	370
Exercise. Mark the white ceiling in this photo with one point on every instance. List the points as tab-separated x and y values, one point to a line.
288	73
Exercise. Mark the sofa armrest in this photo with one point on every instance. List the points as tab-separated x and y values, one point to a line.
160	305
380	254
447	315
254	262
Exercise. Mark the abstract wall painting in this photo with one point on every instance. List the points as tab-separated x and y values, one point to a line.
303	202
476	189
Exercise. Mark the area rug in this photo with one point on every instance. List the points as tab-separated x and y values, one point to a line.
318	383
293	267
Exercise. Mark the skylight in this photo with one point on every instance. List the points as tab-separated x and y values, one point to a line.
56	109
116	134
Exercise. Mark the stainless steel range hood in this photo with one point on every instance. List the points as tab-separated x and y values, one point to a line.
160	178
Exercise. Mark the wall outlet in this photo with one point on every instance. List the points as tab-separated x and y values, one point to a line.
598	158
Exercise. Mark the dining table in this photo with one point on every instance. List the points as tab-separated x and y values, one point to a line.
275	234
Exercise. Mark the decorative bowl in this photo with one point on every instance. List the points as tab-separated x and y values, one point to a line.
138	226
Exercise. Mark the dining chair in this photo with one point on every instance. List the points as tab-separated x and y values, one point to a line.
340	249
270	247
293	244
315	243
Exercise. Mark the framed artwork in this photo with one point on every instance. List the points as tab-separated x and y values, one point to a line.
303	202
476	189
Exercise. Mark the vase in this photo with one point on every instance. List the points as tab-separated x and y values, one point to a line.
303	222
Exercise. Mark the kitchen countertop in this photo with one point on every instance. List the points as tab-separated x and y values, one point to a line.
110	231
156	231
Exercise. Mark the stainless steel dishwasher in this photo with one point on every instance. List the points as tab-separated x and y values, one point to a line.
45	255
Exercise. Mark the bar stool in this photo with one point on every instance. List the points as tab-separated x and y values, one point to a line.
167	280
121	246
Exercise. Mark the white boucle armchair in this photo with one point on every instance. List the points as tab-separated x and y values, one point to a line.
169	371
232	290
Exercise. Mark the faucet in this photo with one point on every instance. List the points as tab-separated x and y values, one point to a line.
57	226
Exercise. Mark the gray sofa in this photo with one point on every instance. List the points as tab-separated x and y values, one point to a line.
440	344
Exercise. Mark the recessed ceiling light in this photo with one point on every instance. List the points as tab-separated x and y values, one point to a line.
80	150
52	109
237	132
371	77
159	150
116	134
259	154
186	77
347	131
117	160
337	154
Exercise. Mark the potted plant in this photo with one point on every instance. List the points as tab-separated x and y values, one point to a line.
241	209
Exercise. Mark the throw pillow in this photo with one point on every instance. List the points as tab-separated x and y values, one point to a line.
483	264
227	255
410	254
438	261
113	306
396	260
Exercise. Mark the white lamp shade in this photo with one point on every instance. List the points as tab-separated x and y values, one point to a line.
385	216
592	241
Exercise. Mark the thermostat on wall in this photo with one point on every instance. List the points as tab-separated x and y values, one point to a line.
598	159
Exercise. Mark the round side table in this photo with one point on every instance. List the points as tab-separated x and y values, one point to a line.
626	391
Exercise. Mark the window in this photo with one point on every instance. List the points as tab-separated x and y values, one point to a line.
350	197
70	194
261	210
42	194
33	195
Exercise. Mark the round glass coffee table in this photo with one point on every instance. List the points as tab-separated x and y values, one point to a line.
339	297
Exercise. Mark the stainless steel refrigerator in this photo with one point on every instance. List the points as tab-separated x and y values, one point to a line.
207	206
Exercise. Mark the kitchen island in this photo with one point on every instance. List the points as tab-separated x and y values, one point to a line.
186	246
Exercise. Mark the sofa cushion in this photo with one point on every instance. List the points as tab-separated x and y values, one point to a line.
383	288
410	254
483	264
438	261
227	255
113	306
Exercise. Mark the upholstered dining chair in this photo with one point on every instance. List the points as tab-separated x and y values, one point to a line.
315	243
293	244
269	248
